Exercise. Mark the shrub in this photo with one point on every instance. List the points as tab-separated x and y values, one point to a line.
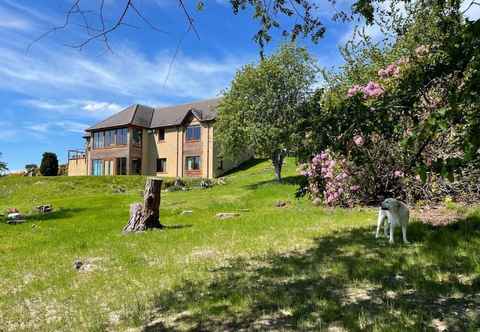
49	165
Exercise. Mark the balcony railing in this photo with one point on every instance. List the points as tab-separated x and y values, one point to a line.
76	154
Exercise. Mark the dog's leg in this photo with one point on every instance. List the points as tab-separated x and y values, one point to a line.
404	233
385	227
379	223
391	232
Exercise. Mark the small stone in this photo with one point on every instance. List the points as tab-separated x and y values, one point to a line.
280	204
186	212
77	264
14	216
227	215
317	201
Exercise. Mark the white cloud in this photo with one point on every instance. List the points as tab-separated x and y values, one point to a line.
126	73
15	23
102	107
92	108
57	127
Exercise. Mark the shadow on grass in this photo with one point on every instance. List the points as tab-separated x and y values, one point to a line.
289	180
346	280
244	166
59	213
177	226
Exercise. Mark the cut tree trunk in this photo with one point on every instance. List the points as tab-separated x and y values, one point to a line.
146	216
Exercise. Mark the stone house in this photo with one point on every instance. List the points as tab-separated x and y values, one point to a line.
174	141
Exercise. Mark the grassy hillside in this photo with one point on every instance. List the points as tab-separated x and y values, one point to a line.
296	267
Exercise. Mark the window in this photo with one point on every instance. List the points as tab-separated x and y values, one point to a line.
97	167
193	133
121	138
192	163
108	167
98	139
136	166
103	139
162	165
121	168
161	134
109	137
137	136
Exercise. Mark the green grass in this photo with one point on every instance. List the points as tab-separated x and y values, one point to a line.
295	268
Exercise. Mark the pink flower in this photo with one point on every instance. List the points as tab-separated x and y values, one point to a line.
402	61
382	73
358	140
398	174
418	178
354	90
355	188
373	89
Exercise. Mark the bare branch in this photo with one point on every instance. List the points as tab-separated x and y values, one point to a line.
189	18
473	3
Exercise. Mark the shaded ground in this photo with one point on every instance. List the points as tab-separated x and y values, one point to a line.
348	280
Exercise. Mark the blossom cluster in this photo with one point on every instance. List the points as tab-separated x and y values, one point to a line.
330	179
391	70
371	90
422	50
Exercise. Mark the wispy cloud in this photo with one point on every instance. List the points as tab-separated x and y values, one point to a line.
57	127
91	108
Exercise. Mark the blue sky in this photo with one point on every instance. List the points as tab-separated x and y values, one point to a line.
51	93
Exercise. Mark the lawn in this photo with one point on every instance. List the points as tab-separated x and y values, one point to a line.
297	267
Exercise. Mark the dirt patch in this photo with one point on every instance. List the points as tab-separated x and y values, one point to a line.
437	215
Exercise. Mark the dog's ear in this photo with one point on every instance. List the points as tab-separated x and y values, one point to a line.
395	204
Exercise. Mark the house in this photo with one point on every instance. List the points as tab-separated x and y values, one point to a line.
174	141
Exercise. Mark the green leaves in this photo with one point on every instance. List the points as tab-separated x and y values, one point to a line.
263	111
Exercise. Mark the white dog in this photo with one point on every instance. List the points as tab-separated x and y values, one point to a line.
397	214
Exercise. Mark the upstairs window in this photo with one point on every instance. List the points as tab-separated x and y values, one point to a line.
161	134
137	136
193	133
109	138
98	139
121	138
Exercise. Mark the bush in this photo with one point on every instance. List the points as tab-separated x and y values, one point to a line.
49	165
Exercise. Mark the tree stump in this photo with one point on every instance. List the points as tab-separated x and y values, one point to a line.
146	216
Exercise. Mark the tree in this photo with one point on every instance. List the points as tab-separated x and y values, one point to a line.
3	166
405	113
263	110
31	170
63	170
49	165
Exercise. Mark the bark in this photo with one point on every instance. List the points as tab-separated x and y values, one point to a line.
277	160
146	216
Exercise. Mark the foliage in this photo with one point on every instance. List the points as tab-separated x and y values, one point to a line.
262	110
63	170
413	103
32	170
3	167
331	180
49	164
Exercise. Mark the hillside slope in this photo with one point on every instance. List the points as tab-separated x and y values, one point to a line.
270	268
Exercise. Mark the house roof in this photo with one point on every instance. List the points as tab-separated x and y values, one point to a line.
148	117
